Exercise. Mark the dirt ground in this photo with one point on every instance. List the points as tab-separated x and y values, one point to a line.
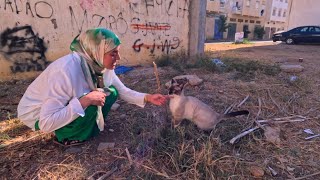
158	151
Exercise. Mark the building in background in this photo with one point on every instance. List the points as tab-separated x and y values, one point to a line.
277	15
245	16
302	13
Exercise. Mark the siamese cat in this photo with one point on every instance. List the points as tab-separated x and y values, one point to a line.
191	108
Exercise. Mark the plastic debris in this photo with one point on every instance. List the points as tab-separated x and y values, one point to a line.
122	69
218	62
293	78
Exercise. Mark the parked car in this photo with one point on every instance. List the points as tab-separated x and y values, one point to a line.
303	34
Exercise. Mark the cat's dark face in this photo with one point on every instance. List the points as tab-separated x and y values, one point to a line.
177	86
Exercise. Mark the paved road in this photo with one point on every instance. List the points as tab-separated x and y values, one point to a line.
233	42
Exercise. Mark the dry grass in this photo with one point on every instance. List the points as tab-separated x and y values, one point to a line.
161	152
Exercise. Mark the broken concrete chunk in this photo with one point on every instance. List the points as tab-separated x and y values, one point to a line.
104	146
193	80
291	68
115	106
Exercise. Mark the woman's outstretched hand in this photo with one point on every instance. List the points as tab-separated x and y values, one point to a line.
156	99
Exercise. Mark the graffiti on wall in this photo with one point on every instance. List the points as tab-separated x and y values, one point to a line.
24	48
40	9
123	25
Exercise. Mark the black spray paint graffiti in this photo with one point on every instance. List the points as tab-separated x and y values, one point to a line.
117	24
16	6
24	48
165	45
178	8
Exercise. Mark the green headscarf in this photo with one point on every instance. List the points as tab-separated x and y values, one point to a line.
91	46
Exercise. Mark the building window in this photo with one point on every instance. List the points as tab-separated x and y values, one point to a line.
222	3
246	21
258	22
248	3
274	11
240	20
251	21
284	13
280	12
233	19
257	4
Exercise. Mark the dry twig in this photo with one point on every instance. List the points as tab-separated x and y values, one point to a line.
156	73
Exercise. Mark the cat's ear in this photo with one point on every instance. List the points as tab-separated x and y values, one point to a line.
173	81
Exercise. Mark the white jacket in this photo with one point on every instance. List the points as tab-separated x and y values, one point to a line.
52	98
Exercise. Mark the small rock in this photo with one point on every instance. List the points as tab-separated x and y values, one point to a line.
272	134
21	154
256	171
193	80
115	106
300	59
290	169
111	130
122	116
220	91
103	146
74	150
291	68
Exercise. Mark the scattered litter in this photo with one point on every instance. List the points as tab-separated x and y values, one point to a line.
293	78
273	172
122	69
311	137
256	171
309	131
103	146
217	62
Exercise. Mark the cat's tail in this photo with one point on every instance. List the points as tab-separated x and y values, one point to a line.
236	113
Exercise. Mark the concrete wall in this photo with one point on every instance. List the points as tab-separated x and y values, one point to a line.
197	25
303	13
33	33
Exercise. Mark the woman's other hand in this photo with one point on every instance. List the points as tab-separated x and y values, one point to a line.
95	98
156	99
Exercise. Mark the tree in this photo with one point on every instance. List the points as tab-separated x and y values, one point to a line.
259	32
223	24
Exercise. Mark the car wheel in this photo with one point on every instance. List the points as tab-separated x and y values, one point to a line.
289	41
274	40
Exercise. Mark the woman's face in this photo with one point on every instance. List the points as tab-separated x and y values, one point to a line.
110	58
